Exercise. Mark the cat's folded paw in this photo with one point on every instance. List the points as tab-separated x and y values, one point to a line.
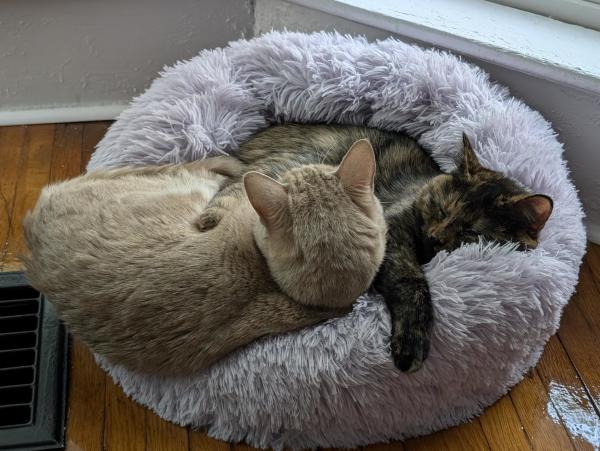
208	220
410	347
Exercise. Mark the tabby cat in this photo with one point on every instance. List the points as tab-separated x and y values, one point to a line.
426	211
119	255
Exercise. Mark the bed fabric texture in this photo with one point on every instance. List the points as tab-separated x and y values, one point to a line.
334	384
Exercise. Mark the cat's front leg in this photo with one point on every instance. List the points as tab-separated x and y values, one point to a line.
402	283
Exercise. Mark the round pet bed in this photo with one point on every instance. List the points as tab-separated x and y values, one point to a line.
335	384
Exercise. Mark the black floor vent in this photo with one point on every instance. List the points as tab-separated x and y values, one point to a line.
33	362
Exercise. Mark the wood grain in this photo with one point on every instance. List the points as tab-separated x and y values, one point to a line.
66	153
125	425
580	339
33	174
428	442
200	441
502	427
593	259
92	134
538	415
85	415
12	140
467	437
569	396
587	295
164	436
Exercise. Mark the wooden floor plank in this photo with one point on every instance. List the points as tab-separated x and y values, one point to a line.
200	441
502	427
582	343
125	425
538	415
33	175
466	437
12	141
569	396
92	134
579	335
164	436
587	297
428	442
66	155
87	391
580	325
593	259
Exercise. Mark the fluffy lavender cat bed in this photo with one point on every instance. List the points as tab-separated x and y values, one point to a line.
334	384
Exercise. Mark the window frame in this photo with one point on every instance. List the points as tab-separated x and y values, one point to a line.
585	13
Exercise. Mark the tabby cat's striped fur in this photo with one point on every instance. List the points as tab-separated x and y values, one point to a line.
426	210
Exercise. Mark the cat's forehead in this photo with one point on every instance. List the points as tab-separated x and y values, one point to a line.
474	193
309	175
488	190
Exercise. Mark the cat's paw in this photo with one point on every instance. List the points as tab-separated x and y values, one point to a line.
410	347
208	220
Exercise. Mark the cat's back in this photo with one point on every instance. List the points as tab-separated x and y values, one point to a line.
281	147
309	137
127	197
101	221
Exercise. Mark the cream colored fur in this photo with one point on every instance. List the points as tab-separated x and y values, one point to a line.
119	255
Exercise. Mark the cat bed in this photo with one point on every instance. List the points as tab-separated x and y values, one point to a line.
335	384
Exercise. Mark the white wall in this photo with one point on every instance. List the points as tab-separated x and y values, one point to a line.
79	53
574	114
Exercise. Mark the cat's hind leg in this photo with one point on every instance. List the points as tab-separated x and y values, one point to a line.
222	203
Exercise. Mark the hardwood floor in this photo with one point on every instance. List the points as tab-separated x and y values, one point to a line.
555	407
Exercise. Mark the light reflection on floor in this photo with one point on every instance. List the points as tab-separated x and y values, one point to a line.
574	409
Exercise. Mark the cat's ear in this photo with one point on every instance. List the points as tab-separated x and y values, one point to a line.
535	210
357	169
468	164
268	197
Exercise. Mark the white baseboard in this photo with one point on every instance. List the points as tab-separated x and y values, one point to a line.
593	232
61	114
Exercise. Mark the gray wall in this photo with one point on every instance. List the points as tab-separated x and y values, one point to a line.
574	114
70	53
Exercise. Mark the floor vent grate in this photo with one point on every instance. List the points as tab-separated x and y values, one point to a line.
33	353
